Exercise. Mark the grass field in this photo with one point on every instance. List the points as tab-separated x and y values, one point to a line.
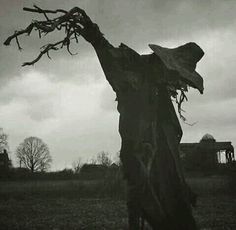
58	205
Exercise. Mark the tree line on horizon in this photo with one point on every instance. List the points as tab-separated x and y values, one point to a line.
34	154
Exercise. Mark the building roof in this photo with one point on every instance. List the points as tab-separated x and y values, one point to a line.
224	146
208	137
217	146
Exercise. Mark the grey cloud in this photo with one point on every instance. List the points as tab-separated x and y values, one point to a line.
38	101
215	117
85	139
41	111
136	23
120	24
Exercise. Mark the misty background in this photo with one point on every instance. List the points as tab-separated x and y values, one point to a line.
68	103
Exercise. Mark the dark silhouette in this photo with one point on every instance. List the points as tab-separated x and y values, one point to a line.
149	128
93	171
34	154
4	162
207	154
229	154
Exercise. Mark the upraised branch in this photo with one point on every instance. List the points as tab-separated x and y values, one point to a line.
73	22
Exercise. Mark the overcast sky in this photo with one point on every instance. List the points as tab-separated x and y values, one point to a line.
67	101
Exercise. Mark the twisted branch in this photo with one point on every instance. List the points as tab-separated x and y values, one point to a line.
74	22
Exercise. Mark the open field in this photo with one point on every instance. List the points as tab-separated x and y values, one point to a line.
59	205
216	207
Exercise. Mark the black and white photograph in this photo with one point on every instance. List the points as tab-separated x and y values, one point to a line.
117	115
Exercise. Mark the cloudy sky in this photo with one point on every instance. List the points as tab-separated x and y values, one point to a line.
67	101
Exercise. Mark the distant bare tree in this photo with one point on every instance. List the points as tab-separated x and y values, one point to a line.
77	164
34	154
104	159
93	161
3	140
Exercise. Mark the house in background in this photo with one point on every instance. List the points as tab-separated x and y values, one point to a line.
206	154
97	171
93	171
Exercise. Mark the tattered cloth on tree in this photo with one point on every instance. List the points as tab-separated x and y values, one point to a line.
179	70
183	61
150	133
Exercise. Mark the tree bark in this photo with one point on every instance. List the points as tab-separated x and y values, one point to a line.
150	134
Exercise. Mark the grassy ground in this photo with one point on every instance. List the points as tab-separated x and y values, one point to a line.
216	208
58	205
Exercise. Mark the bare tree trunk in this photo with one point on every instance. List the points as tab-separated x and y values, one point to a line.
157	190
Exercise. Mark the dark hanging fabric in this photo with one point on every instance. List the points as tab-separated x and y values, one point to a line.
150	133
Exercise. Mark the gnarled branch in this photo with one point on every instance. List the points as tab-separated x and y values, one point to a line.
74	22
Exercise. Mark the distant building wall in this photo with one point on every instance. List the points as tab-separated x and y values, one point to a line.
206	154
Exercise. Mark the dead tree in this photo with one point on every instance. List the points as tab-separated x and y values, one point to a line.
34	154
3	140
148	126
